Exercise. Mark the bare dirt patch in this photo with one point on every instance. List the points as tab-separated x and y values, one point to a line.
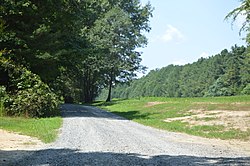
151	104
10	142
229	119
14	141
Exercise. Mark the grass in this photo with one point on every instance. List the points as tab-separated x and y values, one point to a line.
138	111
2	112
45	129
208	118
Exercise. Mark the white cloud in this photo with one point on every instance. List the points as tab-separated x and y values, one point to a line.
172	34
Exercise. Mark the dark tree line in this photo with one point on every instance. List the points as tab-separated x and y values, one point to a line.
76	47
224	74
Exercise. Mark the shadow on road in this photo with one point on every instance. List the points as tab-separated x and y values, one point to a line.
131	115
74	110
64	157
101	103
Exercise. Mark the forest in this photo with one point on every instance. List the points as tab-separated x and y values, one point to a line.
55	51
73	51
224	74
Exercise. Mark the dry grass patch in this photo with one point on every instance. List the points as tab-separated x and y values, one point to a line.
151	104
229	119
14	141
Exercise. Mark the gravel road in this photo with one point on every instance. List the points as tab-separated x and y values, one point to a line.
91	136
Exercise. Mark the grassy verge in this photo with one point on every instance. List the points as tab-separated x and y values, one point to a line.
45	129
163	113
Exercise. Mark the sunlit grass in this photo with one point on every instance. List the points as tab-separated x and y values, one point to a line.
45	129
137	110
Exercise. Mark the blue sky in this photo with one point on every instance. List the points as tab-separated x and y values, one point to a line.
185	30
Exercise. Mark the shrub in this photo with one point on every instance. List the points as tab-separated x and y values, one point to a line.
246	90
28	95
3	98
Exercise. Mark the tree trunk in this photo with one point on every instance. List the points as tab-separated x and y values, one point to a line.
85	87
110	86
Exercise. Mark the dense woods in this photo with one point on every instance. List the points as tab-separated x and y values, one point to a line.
224	74
54	50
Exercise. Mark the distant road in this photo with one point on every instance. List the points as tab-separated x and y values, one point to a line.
91	136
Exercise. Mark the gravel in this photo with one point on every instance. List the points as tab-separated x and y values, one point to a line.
90	136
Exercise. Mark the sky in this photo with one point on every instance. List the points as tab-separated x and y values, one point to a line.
185	30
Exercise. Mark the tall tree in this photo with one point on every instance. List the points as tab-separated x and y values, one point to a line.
75	46
118	33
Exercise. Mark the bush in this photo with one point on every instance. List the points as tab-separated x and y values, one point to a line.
28	95
36	101
3	98
246	90
219	88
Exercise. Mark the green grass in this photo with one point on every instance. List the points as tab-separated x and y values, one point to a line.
45	129
137	110
2	112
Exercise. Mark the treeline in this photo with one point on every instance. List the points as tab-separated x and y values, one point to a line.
224	74
67	48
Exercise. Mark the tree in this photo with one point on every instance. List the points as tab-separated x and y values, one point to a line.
77	47
118	33
224	74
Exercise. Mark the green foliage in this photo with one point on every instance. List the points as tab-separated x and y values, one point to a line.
3	98
28	95
225	74
75	47
219	88
246	90
34	102
45	129
117	33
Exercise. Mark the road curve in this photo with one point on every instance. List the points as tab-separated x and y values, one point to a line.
90	136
